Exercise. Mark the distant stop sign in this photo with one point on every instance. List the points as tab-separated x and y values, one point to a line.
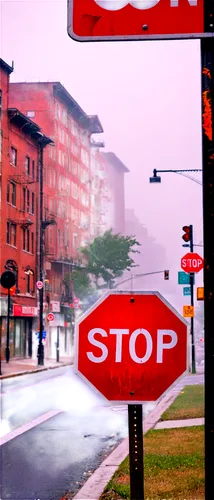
131	347
192	263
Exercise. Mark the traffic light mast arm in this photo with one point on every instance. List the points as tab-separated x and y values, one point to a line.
138	276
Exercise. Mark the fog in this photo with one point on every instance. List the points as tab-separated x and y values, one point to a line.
147	96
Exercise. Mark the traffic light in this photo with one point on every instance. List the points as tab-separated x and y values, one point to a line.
187	236
166	275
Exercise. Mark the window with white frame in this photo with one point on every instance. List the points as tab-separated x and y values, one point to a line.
75	167
74	149
74	190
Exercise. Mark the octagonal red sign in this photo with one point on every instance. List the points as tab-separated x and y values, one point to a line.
131	346
139	19
192	262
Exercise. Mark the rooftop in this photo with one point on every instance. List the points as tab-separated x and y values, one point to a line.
6	67
30	127
115	161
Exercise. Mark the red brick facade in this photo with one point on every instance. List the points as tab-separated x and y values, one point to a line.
19	217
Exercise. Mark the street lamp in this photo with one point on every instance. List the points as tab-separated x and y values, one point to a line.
157	178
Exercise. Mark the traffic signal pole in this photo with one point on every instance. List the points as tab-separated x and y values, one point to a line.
207	53
192	304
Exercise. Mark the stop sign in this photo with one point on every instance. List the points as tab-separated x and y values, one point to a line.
131	346
136	19
192	262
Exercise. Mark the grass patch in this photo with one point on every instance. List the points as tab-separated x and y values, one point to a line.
189	404
173	467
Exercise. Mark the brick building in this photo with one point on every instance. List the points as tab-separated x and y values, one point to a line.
19	154
66	193
115	171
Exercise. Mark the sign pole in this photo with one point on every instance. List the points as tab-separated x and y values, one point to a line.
7	349
135	419
207	53
192	304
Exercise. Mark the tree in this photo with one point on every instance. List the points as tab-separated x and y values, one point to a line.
81	283
109	255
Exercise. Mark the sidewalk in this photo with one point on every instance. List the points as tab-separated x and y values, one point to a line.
25	366
94	486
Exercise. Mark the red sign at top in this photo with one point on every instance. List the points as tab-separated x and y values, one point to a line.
131	346
192	263
90	20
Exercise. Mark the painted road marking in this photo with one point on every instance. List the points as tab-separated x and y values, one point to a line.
29	385
27	427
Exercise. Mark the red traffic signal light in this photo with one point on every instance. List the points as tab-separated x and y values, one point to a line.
166	275
187	233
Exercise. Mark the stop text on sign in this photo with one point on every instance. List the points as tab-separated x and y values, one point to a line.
192	262
138	4
119	333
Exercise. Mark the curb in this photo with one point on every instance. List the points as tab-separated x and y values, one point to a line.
95	485
29	372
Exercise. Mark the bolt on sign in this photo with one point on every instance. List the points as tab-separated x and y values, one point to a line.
136	342
92	20
188	311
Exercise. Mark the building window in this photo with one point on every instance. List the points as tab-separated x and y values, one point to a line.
75	243
11	193
27	165
74	168
0	101
33	203
51	235
33	169
24	199
11	234
8	192
74	190
62	136
28	201
29	281
31	114
51	206
13	153
32	242
26	240
59	237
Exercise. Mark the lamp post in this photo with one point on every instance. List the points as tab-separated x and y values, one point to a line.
43	141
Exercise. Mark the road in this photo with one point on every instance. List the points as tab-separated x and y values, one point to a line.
55	431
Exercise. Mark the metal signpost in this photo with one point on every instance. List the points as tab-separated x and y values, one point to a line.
100	20
139	355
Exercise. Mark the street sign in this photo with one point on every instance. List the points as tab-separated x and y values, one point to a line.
131	346
187	290
188	311
91	20
200	293
183	278
50	317
43	334
39	285
76	300
8	279
192	262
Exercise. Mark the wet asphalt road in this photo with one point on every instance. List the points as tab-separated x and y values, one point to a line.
57	455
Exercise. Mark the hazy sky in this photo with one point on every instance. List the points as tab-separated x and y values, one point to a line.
147	96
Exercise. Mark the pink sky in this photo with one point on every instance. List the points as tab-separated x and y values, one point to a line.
147	96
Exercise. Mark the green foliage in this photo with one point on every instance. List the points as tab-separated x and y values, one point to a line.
81	283
109	255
